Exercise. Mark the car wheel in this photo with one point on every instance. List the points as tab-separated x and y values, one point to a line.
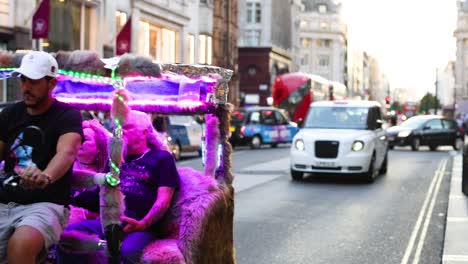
415	144
297	175
383	168
433	147
274	145
256	142
176	151
458	144
369	176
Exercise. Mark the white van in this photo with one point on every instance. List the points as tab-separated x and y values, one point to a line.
341	137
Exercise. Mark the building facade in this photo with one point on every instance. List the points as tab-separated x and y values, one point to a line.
168	31
378	83
266	31
323	40
225	34
446	87
356	74
461	64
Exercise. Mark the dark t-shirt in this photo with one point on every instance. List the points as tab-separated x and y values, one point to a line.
58	120
140	178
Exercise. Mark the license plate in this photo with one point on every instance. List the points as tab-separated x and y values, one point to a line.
329	164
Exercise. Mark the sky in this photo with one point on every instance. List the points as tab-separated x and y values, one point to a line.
409	38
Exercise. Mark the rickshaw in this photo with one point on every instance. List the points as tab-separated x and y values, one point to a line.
199	226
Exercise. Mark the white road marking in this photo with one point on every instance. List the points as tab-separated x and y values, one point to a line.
427	221
416	228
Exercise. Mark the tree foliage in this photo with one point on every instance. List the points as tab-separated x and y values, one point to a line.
396	106
428	102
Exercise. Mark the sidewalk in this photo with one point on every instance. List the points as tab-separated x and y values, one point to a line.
456	230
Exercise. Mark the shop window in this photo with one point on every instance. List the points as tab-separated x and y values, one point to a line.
77	21
205	49
4	12
121	19
191	49
158	42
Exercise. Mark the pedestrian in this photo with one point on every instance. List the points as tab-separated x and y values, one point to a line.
33	215
148	180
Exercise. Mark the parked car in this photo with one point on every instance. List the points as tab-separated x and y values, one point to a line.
261	125
184	133
426	130
343	137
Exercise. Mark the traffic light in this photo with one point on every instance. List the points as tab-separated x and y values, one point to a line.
387	100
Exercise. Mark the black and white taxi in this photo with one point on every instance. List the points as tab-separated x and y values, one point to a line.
341	137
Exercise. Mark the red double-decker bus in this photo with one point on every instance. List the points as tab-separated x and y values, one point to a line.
295	91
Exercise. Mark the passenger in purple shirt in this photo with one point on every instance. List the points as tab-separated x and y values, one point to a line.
148	180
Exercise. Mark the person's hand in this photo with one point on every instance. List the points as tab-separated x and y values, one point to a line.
33	178
133	225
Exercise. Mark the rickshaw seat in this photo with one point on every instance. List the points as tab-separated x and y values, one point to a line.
198	226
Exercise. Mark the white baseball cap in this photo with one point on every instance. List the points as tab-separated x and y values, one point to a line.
36	65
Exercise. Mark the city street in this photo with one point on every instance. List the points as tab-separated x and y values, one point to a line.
400	218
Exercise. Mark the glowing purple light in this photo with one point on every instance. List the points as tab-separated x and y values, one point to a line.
170	77
159	102
87	101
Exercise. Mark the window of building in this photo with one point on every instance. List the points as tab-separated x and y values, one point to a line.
324	25
303	24
191	49
121	19
77	21
324	60
323	43
258	13
253	37
157	42
322	9
305	42
305	59
254	12
4	12
205	49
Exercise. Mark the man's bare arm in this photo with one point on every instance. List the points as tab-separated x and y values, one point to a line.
160	206
67	148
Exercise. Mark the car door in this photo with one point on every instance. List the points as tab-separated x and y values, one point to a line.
432	133
450	132
380	139
187	132
253	124
283	127
269	128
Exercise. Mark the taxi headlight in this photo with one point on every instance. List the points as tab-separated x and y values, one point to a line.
357	145
404	133
299	144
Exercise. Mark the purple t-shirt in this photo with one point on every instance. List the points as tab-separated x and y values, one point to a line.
140	178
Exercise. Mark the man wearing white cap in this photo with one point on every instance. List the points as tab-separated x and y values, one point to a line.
33	215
